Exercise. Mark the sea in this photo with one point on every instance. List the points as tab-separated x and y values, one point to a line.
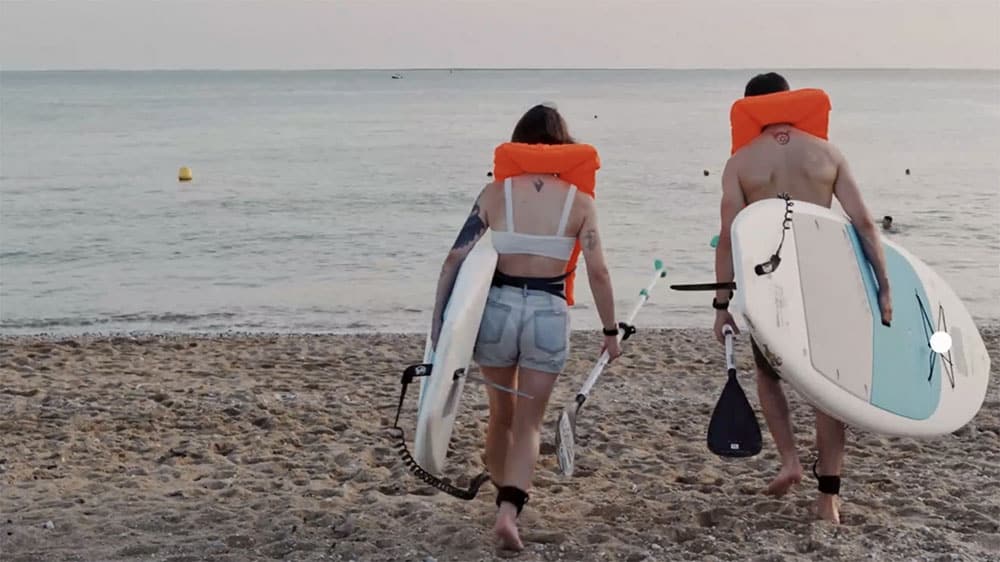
326	201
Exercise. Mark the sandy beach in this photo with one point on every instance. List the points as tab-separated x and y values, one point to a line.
236	448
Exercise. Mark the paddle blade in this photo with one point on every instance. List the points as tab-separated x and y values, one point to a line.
565	440
733	430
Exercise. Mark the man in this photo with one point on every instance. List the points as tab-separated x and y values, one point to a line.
783	159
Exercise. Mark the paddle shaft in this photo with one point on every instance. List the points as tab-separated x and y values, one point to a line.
603	361
730	362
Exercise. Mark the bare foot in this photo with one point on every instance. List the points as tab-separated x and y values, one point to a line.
787	477
506	529
828	508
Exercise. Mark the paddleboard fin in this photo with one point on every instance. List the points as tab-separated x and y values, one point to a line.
410	373
704	286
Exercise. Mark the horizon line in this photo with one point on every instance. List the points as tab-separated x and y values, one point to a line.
498	68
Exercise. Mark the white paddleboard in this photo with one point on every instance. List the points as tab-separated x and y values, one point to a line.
440	391
816	318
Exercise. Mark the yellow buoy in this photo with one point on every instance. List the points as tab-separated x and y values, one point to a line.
184	174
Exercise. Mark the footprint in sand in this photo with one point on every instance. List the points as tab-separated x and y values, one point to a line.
393	489
769	506
681	534
214	484
139	551
713	517
596	538
911	511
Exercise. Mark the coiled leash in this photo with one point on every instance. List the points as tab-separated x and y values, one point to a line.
772	264
410	373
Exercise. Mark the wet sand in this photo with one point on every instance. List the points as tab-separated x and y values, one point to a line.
235	448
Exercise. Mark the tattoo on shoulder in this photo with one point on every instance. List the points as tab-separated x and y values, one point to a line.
539	184
473	228
782	137
590	238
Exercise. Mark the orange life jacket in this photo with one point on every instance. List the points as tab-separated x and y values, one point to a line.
807	109
576	164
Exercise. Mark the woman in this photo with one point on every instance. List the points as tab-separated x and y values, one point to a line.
541	213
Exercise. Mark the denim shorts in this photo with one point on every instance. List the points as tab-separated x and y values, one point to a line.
524	327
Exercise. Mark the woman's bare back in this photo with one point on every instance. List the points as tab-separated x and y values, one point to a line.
537	209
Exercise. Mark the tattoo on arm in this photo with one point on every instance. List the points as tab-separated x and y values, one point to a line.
539	184
782	137
590	239
471	230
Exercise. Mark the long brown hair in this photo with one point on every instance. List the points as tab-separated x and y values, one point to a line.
542	125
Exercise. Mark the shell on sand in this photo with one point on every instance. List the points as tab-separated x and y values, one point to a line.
186	448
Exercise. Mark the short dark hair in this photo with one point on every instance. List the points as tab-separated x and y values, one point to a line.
542	125
763	84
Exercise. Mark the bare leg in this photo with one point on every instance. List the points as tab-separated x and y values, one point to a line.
523	453
498	430
830	442
779	422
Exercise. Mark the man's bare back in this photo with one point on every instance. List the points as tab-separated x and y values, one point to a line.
785	160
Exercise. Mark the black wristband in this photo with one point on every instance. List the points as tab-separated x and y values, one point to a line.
719	305
611	332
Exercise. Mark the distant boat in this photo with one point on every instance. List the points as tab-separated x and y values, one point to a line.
396	76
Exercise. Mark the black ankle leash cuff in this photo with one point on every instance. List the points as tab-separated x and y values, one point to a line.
826	484
513	495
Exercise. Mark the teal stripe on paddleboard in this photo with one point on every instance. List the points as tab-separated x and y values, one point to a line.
901	355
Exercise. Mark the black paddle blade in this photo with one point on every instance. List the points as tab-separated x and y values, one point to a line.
733	430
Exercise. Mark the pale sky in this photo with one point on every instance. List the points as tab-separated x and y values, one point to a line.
399	34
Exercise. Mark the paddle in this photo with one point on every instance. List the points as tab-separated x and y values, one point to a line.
733	430
566	426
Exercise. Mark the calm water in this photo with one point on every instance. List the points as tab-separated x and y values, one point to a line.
325	201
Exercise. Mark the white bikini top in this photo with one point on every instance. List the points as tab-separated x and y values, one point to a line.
557	246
